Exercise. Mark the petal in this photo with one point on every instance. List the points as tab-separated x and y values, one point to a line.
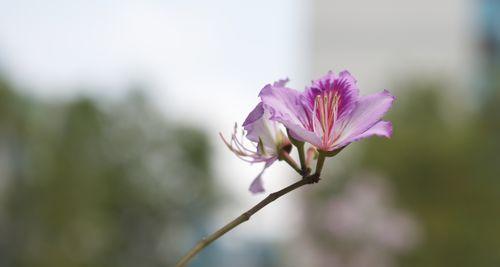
286	106
260	128
300	133
254	115
257	185
367	112
344	85
349	93
381	128
281	83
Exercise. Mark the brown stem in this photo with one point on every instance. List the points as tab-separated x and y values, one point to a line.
302	157
244	217
288	159
319	163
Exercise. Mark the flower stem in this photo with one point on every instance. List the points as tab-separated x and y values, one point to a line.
244	217
304	167
288	159
319	163
302	157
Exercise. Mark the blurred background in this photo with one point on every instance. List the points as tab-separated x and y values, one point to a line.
110	113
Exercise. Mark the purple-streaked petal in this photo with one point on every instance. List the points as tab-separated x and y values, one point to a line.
344	85
381	128
285	105
367	112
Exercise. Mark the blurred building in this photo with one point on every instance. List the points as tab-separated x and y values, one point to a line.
489	45
381	42
489	21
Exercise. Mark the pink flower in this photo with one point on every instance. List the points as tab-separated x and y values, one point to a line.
266	141
329	114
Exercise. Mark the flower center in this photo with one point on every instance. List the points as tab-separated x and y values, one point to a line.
327	111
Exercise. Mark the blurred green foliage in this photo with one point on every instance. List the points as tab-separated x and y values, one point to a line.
445	166
88	183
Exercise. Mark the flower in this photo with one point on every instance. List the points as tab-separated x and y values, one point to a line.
329	114
266	142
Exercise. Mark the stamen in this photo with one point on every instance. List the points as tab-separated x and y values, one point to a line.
326	108
256	152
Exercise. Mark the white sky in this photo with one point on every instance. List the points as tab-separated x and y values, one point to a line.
201	61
